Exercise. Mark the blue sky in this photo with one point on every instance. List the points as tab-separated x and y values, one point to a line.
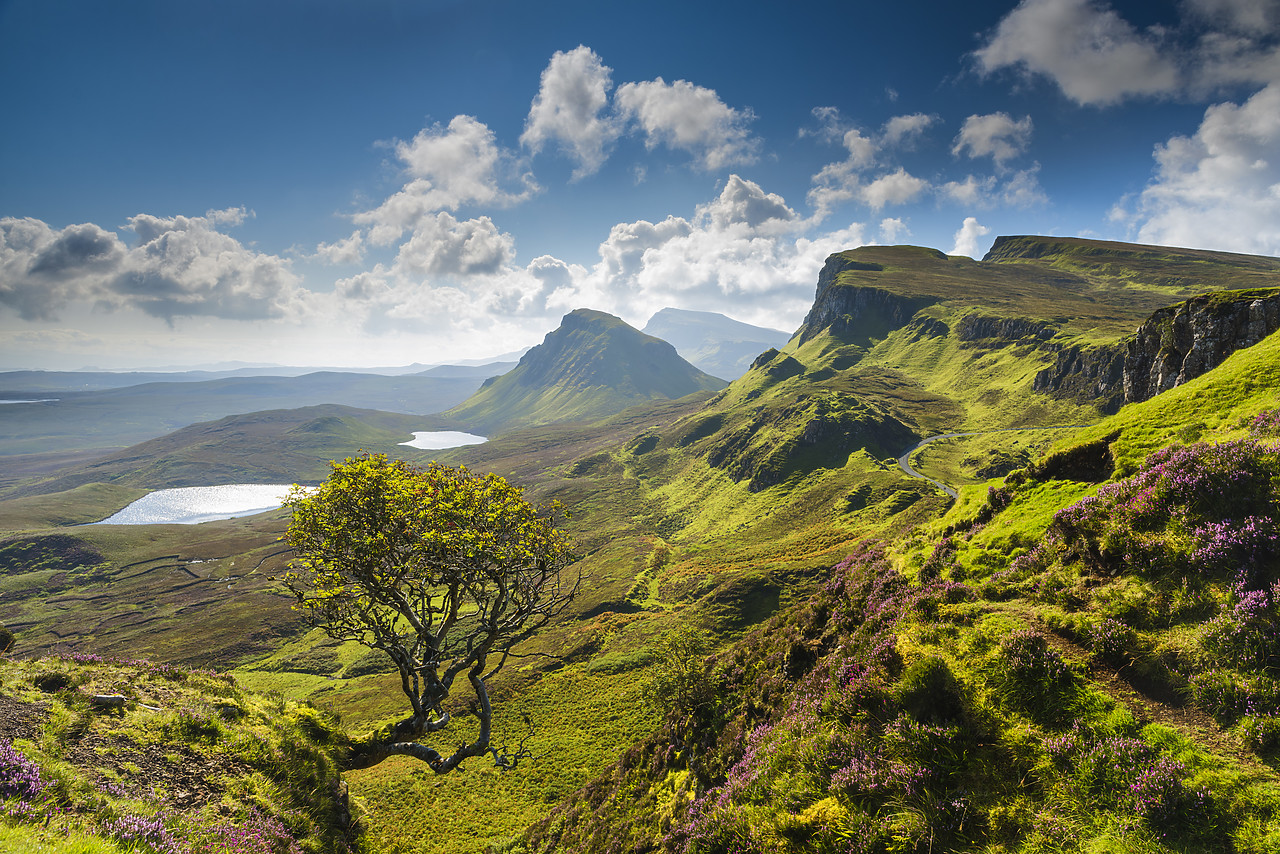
381	183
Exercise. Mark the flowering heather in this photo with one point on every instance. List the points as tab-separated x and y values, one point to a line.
150	831
255	833
19	777
1265	423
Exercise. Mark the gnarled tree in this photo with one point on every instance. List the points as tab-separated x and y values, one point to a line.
442	569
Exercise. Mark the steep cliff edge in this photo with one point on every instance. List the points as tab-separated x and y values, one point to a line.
855	311
1176	344
1183	341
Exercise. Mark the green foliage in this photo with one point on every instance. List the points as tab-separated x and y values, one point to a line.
436	567
679	682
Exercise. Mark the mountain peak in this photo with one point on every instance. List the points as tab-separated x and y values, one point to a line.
592	366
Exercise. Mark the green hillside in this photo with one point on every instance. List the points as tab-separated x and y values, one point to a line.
272	446
592	366
786	642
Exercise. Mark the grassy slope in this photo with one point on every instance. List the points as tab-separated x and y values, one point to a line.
591	367
681	539
120	417
190	755
973	734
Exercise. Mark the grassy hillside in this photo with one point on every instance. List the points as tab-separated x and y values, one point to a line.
187	762
731	679
1037	670
592	366
273	446
115	418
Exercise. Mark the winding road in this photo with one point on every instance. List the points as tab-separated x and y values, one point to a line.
904	461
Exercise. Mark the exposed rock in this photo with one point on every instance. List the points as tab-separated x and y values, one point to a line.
1086	375
1173	346
973	327
853	310
1183	341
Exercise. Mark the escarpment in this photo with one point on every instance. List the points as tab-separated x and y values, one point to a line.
1183	341
1172	347
857	312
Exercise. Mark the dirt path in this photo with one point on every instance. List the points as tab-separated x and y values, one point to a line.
904	461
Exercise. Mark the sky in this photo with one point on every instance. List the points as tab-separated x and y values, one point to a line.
389	182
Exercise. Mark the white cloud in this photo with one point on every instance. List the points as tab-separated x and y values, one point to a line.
568	109
740	248
892	230
905	130
896	188
690	118
1093	54
1096	57
182	267
444	247
995	135
968	236
1019	189
745	203
449	167
1219	188
42	270
349	250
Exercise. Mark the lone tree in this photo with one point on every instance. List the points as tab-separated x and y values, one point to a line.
443	570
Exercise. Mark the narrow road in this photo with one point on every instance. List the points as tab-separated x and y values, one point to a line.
904	461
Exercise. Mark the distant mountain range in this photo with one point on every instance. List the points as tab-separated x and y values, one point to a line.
719	345
592	366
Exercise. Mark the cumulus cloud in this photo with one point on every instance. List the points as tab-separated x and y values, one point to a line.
995	135
896	188
851	179
968	236
892	230
905	130
1019	189
349	250
741	247
184	267
1097	57
569	109
445	247
1093	54
1220	187
181	267
449	167
42	270
690	118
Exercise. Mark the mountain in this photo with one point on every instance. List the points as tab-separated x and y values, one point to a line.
592	366
271	446
119	417
24	383
719	345
788	641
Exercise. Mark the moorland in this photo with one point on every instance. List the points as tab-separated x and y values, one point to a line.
787	641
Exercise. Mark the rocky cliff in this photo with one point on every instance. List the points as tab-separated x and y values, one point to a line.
1183	341
1174	345
857	312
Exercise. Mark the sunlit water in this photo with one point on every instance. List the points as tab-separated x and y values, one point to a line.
441	439
191	504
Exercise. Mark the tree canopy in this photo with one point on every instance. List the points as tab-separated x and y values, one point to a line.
443	569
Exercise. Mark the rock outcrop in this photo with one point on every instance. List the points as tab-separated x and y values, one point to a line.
1173	346
1183	341
856	311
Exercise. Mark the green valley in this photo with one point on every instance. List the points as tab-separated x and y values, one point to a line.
785	642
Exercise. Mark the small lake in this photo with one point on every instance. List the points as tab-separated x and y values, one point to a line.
189	505
438	440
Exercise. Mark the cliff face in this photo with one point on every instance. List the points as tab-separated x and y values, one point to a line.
1175	345
1182	342
857	312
